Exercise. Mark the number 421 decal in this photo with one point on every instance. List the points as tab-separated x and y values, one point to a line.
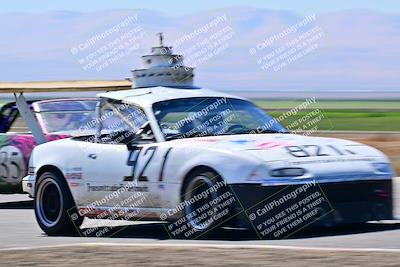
317	151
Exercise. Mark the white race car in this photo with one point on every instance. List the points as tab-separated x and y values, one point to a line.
200	159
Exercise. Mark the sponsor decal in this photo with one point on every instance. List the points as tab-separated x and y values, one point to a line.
73	173
272	144
206	140
111	188
332	160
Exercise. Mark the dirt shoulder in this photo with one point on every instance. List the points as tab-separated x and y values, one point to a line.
97	255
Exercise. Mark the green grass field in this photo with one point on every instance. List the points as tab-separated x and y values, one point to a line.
342	115
331	104
350	120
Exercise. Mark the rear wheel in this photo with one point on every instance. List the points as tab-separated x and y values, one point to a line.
54	206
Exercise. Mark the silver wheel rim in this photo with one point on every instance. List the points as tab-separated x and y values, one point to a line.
47	191
191	191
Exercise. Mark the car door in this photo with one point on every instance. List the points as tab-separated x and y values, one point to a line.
119	177
103	171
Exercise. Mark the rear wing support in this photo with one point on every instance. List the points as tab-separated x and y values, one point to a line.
54	86
29	118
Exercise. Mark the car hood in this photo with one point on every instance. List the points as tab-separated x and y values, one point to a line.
274	147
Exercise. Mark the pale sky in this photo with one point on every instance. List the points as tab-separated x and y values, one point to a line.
359	48
174	7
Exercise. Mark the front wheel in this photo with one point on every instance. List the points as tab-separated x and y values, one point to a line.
206	200
54	206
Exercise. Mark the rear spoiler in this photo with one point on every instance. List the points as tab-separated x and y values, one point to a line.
64	86
19	88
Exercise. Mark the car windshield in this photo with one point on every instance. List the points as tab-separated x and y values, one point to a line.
212	116
68	116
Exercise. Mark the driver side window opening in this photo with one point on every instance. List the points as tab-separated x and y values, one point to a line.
122	123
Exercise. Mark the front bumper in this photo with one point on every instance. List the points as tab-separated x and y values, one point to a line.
28	185
325	203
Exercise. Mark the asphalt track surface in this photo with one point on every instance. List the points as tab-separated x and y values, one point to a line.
18	229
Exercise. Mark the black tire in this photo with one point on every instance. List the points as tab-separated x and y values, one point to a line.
197	182
54	206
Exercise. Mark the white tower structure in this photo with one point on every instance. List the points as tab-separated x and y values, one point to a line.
162	68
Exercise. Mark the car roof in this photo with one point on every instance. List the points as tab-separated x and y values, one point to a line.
147	96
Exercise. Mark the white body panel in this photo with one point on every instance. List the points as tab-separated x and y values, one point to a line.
233	160
94	171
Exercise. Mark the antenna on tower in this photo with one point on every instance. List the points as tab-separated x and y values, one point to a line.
160	34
